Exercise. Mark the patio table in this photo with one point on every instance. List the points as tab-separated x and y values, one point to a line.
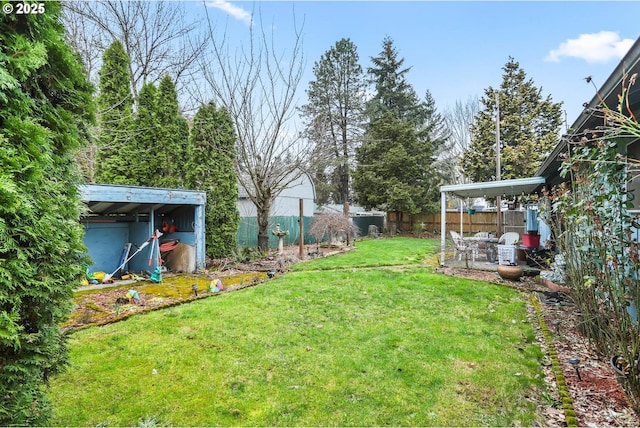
490	246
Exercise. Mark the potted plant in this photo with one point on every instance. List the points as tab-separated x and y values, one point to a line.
511	272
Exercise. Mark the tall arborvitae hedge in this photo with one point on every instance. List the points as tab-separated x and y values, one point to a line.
210	167
116	154
146	162
172	135
45	102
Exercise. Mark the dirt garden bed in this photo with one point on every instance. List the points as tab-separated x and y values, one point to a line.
108	303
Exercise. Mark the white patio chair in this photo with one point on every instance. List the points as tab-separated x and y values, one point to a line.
462	246
481	244
509	238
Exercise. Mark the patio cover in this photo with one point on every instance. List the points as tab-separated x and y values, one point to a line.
486	189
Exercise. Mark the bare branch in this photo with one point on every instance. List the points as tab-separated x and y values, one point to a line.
458	120
155	35
257	84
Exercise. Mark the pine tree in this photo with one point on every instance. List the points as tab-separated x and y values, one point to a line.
210	167
45	108
395	169
335	119
529	129
115	142
393	93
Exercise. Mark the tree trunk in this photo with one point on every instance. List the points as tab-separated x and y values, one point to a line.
344	183
398	221
263	210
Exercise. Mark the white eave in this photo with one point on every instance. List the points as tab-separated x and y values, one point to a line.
491	189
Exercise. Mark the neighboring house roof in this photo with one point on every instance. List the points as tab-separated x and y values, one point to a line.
588	120
300	181
354	210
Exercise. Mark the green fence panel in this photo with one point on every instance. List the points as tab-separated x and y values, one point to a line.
248	231
363	223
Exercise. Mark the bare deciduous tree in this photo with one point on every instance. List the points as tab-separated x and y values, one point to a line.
332	226
155	35
458	121
257	85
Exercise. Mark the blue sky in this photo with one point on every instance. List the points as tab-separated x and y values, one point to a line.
457	49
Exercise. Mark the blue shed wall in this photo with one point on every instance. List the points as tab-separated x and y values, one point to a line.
104	242
129	214
139	232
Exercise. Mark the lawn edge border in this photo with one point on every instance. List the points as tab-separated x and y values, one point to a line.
567	404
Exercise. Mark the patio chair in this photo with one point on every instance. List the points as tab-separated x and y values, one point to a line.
509	238
463	247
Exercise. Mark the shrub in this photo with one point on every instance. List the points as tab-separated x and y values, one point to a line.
593	225
45	101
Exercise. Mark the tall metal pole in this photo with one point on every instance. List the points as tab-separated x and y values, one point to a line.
498	200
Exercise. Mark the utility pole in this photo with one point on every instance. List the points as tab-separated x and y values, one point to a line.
498	200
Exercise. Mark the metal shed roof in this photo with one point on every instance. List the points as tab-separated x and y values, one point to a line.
108	199
491	189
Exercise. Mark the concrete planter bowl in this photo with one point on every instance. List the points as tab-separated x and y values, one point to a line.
510	272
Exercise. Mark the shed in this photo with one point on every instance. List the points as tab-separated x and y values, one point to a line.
285	211
118	215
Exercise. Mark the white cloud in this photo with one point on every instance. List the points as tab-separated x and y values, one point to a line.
596	47
234	11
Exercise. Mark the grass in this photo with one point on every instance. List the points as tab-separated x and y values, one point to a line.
377	253
345	347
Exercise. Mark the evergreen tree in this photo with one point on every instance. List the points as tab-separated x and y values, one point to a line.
396	161
392	91
210	167
115	152
395	170
529	129
45	107
172	134
146	134
335	119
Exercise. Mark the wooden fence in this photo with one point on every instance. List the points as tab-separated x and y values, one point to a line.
484	221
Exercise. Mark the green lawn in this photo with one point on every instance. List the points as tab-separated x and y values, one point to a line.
378	252
345	347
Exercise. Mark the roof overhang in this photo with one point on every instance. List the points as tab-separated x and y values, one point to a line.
110	199
587	120
491	189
